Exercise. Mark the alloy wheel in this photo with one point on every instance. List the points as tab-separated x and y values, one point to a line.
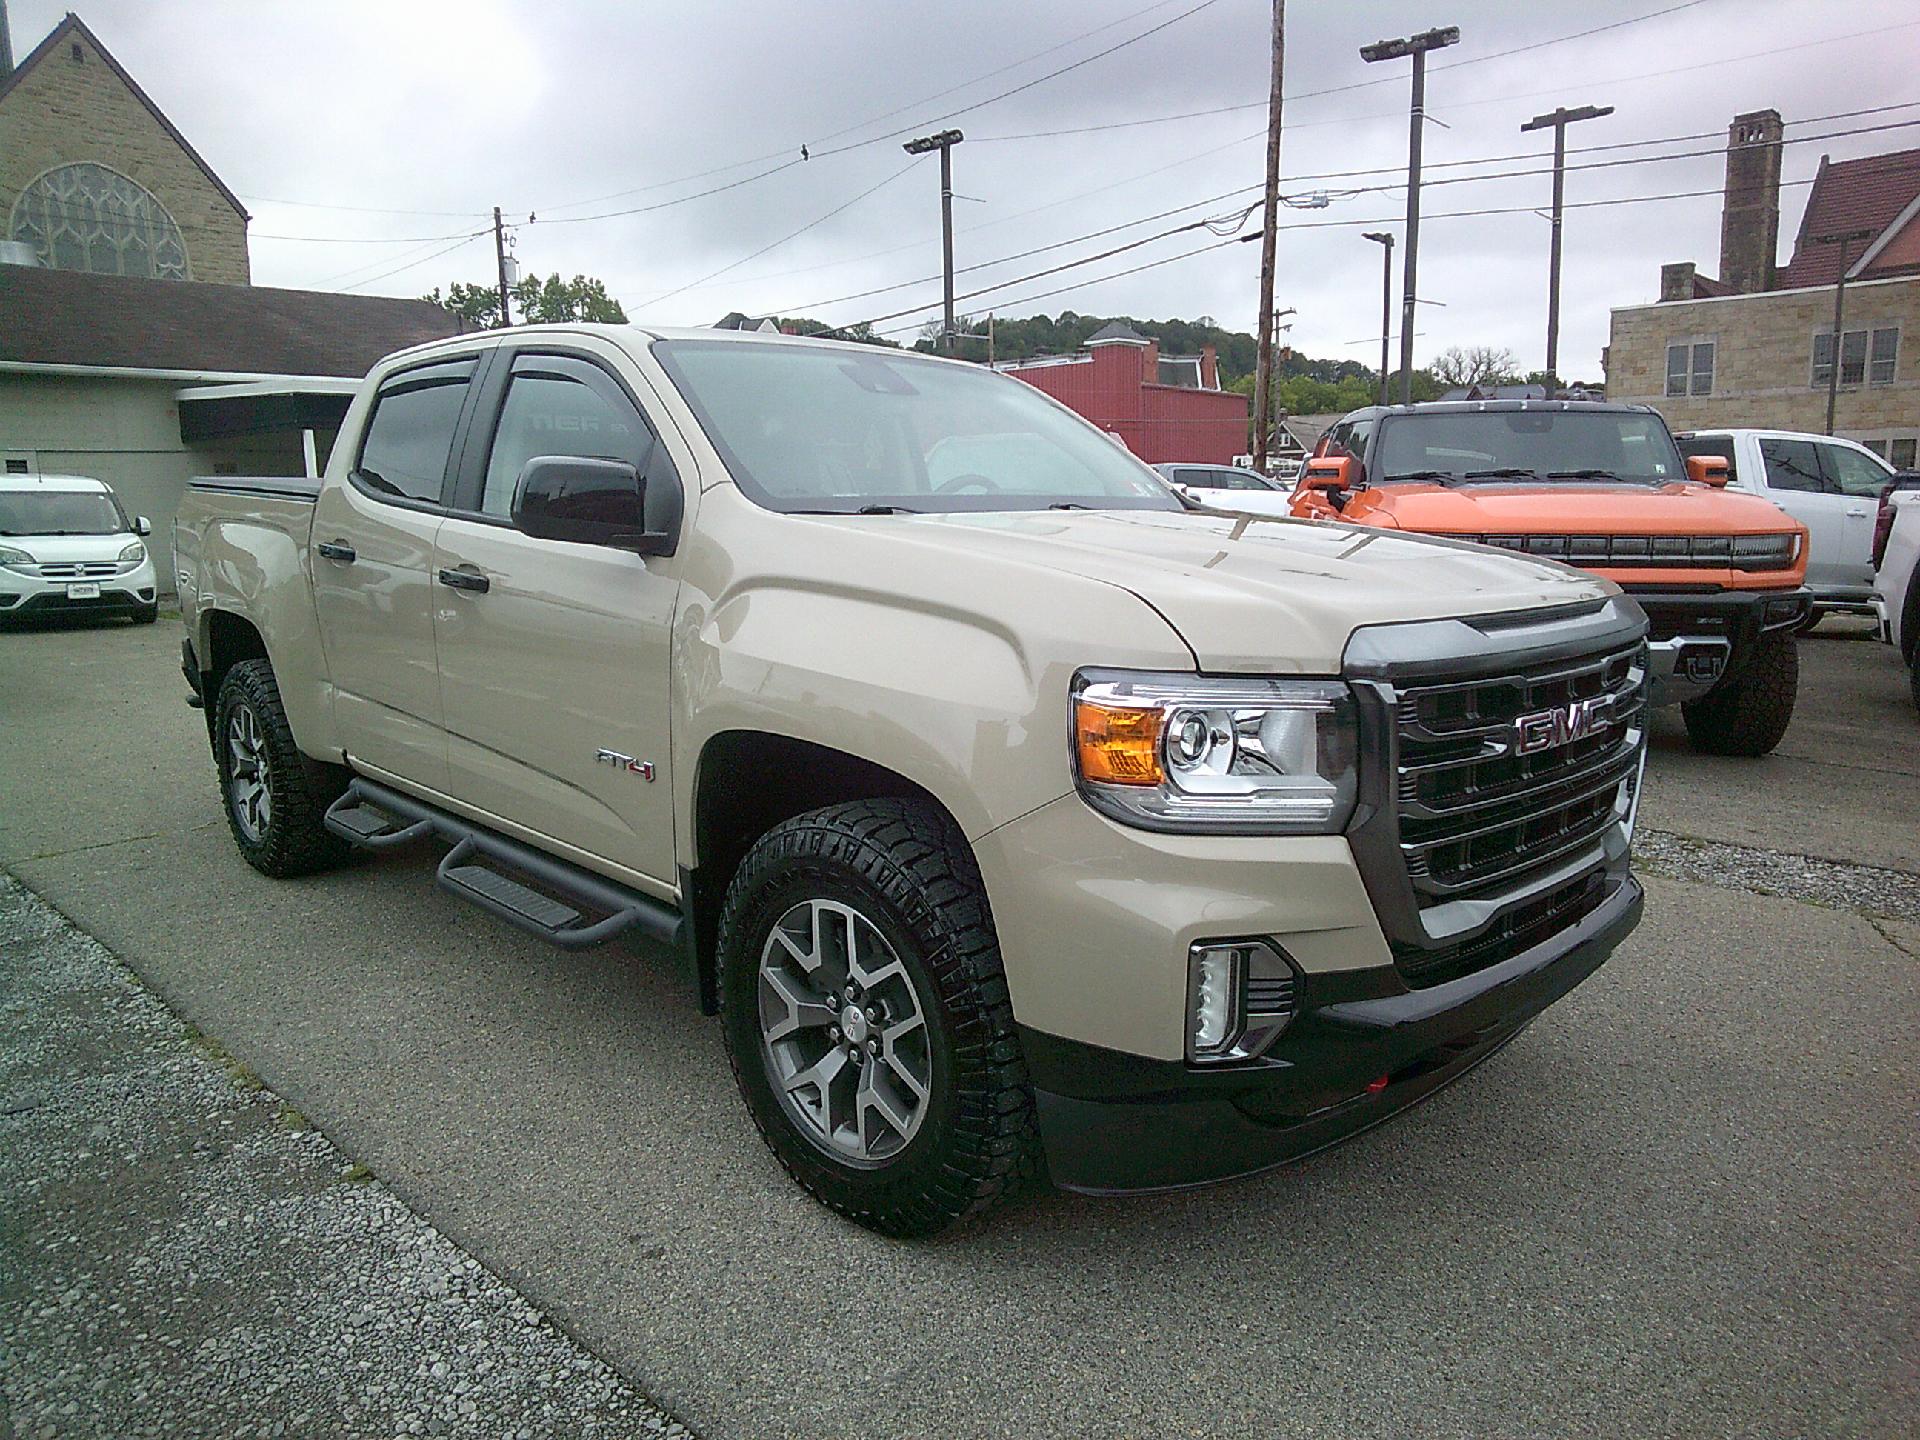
247	788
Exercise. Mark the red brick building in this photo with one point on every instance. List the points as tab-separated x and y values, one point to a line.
1165	408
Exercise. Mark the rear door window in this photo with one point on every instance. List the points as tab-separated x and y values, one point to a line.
1792	465
1851	473
410	434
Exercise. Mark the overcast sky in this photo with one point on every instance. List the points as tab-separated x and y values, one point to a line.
568	109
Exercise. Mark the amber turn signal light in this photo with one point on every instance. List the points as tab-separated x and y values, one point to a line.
1118	745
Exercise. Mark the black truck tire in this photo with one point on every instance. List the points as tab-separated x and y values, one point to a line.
897	883
273	796
1748	713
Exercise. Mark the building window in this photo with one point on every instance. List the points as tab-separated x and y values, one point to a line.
1865	357
87	217
1900	453
1886	348
1690	368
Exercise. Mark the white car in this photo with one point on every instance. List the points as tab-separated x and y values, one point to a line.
1230	487
1831	486
66	546
1898	579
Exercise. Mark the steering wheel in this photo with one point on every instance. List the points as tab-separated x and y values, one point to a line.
969	481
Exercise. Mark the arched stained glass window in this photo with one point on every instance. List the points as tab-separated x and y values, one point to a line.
87	217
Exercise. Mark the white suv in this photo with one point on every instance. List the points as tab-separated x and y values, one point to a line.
67	546
1897	555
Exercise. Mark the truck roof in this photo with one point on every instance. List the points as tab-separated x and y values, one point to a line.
645	334
1467	407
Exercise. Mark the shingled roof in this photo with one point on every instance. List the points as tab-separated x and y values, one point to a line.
1865	194
67	317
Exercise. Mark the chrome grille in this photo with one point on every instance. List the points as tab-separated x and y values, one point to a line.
1474	810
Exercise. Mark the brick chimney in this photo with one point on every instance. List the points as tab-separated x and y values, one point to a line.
6	43
1676	280
1750	217
1209	368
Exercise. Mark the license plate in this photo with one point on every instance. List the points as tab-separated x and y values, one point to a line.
83	592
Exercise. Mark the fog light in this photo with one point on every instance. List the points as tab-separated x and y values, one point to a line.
1214	974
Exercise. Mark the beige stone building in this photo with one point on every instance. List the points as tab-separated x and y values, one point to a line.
1755	346
94	177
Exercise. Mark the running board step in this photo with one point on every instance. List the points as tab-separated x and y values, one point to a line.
372	815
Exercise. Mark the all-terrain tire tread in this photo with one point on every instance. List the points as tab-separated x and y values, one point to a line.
296	842
1748	714
915	857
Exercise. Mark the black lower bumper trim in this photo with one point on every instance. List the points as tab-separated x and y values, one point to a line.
1362	1048
108	602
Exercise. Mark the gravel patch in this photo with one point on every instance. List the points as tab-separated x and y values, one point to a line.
1890	894
181	1253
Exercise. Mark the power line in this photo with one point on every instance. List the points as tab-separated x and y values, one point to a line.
848	130
413	264
792	234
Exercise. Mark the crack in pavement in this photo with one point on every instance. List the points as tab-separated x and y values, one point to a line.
1868	890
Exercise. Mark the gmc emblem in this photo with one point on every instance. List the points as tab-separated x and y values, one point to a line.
1561	725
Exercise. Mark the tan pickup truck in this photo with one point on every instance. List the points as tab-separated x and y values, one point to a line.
1005	807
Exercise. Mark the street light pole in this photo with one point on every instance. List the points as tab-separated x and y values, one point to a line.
1558	120
1384	239
1416	46
1843	239
1263	362
944	143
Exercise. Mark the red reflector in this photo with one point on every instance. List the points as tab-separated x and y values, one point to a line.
1374	1087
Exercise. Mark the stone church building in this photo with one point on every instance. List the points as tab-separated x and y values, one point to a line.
134	347
95	177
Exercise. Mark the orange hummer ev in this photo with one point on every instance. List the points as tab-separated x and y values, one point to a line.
1603	488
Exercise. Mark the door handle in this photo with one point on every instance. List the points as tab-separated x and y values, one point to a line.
465	580
338	550
1861	510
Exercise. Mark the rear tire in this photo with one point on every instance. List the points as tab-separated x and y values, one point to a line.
906	1106
1915	663
273	795
1749	713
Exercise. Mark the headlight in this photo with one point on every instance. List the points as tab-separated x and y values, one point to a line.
16	559
133	554
1197	753
1764	552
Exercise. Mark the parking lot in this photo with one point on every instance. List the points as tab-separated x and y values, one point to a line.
1685	1201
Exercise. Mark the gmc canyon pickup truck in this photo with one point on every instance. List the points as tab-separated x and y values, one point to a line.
1721	576
1008	810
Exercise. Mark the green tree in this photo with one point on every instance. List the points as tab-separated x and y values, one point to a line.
535	302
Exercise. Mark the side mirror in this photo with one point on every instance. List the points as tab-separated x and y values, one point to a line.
142	525
1330	473
587	502
1709	469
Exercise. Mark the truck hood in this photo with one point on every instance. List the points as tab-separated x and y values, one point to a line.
1256	594
1561	507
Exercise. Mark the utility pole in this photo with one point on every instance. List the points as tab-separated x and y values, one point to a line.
1384	239
1843	239
1417	46
1559	120
500	259
944	143
1263	365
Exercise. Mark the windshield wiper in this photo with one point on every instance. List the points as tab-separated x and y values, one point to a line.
1421	475
1502	472
1066	505
1591	472
885	510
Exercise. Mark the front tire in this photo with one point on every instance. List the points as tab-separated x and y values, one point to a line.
144	614
1749	713
867	1018
274	796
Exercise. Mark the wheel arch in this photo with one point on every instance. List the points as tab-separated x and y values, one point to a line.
746	782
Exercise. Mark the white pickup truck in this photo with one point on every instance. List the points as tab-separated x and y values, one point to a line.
1002	804
1828	484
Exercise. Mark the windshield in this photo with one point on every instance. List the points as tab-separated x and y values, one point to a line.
60	512
806	428
1567	443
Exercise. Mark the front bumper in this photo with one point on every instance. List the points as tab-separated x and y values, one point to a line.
23	595
1361	1048
1697	640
